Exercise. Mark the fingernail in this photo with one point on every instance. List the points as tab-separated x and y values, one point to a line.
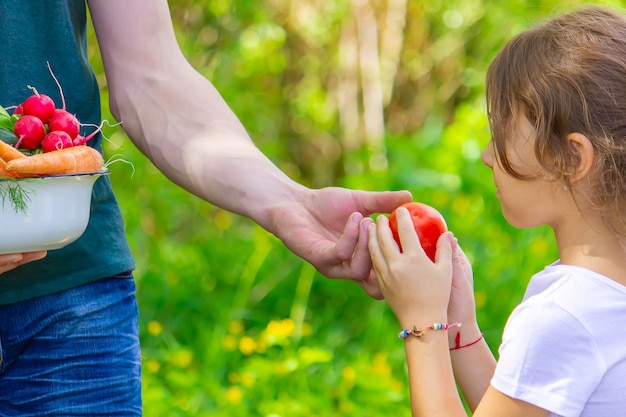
40	255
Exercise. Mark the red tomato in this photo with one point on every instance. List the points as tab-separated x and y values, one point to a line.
428	223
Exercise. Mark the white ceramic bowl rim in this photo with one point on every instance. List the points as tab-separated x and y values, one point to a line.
103	172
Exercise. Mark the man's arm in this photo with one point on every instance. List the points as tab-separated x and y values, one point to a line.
178	119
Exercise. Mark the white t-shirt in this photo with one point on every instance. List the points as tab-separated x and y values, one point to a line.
564	347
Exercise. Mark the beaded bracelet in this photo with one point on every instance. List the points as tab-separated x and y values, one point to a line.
421	332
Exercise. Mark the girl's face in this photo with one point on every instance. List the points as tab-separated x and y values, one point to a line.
525	202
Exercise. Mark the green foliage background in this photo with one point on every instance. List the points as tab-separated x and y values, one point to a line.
232	324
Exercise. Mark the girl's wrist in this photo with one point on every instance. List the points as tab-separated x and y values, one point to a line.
413	330
464	336
421	319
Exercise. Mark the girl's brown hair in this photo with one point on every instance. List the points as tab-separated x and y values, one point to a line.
568	75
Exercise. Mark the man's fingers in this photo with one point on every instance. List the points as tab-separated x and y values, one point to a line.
349	238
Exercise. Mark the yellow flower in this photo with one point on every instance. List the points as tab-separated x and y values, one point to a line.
277	331
348	373
247	345
348	377
234	395
380	366
155	328
248	379
229	342
235	327
183	358
314	355
153	366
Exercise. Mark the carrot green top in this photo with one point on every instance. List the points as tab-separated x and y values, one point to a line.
31	35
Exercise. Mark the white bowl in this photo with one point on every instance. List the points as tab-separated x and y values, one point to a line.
56	213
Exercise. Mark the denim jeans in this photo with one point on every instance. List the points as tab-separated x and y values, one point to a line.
74	353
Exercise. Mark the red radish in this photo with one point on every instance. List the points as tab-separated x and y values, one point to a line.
82	140
64	121
18	110
79	140
56	140
39	105
30	131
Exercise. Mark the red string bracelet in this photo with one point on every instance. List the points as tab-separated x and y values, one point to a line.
457	342
421	332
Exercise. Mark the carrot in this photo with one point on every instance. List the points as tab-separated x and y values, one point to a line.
8	152
74	160
3	171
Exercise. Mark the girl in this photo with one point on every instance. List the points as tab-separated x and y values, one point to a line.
556	101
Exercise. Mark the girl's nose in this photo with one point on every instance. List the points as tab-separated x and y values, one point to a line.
488	155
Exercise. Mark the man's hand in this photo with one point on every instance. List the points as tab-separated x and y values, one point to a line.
329	230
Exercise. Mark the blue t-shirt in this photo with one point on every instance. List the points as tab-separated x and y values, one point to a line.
32	34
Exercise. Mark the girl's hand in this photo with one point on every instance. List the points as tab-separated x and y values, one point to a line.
416	289
12	261
462	307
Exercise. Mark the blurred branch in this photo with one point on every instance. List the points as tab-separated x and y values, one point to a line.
392	40
371	82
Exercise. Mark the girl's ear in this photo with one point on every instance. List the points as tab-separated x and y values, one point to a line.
582	155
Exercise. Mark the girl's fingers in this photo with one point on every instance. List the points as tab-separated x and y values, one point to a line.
444	248
379	259
387	248
379	262
373	245
385	237
386	244
406	231
361	263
